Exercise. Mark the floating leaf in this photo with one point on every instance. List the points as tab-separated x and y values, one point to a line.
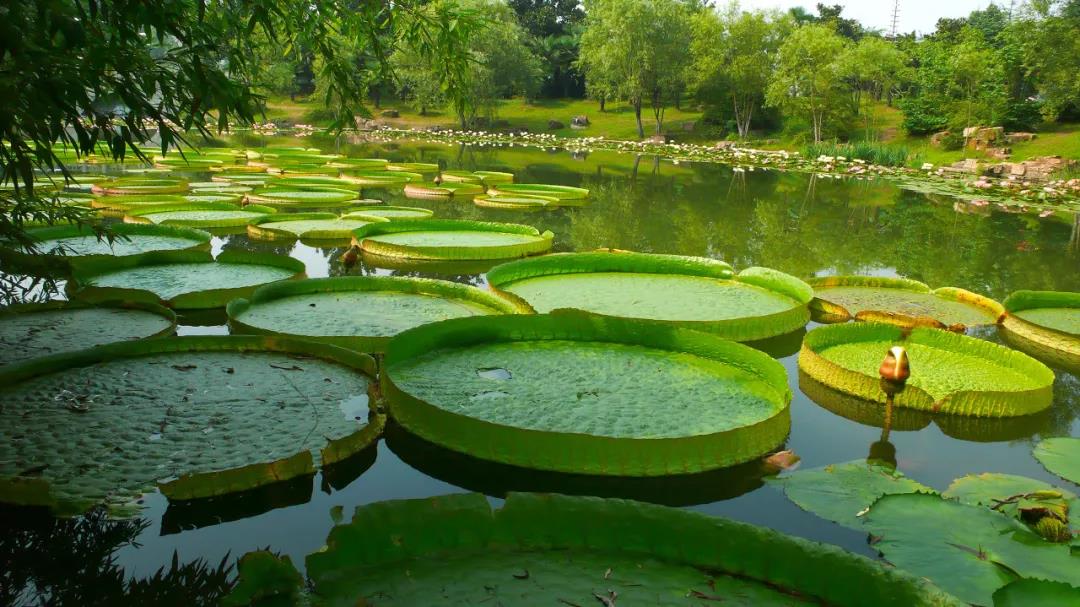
843	492
449	239
969	551
950	373
575	392
694	292
1046	324
1036	593
1060	456
359	312
903	299
310	226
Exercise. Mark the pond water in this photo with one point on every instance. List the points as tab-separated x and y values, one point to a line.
797	223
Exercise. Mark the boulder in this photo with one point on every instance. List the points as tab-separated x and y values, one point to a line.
555	125
724	145
938	137
579	120
689	126
981	138
1018	137
390	114
658	139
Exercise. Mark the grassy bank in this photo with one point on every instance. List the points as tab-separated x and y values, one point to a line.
617	122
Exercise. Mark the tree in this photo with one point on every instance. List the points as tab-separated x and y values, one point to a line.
555	28
104	75
808	79
1049	39
636	49
733	54
501	64
874	67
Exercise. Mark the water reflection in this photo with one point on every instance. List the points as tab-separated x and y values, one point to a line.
497	480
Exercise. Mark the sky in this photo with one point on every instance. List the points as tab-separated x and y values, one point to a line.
917	15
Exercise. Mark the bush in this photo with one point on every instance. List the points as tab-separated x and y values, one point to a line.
872	152
922	117
1022	115
952	141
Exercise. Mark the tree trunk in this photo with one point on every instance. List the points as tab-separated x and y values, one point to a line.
603	101
637	115
376	96
658	111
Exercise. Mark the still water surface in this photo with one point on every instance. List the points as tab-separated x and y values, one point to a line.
801	224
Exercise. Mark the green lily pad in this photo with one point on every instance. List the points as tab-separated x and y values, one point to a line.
905	300
126	186
969	551
182	280
516	203
393	213
358	312
195	416
442	190
450	239
413	167
1046	324
574	392
842	493
305	182
557	550
1020	497
359	163
1036	593
1060	456
301	197
311	226
950	373
31	330
199	214
123	203
195	163
384	179
562	192
695	292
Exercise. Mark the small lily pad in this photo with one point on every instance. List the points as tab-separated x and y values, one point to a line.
394	213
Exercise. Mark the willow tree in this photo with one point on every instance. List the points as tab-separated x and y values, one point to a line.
808	78
102	76
637	50
733	55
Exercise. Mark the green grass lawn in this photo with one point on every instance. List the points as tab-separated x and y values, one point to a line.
617	122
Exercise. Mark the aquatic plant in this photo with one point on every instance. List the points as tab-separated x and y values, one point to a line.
1046	324
206	215
900	301
450	239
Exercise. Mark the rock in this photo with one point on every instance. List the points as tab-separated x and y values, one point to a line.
927	166
999	153
579	120
658	139
555	125
981	138
390	114
1034	169
938	137
724	145
1018	137
689	126
366	124
969	131
968	165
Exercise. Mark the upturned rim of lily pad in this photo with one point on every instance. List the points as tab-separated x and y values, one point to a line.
1005	401
540	242
830	312
1046	343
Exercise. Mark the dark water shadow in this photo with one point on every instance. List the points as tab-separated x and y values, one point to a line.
496	480
780	346
194	514
212	317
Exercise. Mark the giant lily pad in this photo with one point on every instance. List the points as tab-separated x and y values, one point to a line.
123	203
562	192
1036	593
443	190
31	330
969	551
901	301
695	292
843	492
394	213
67	244
558	550
196	416
450	239
1025	499
310	226
358	312
1045	324
126	186
574	392
516	203
1060	456
380	179
296	197
199	214
950	373
182	280
413	167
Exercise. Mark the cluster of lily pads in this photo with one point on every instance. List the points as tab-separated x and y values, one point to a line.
1010	194
314	367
